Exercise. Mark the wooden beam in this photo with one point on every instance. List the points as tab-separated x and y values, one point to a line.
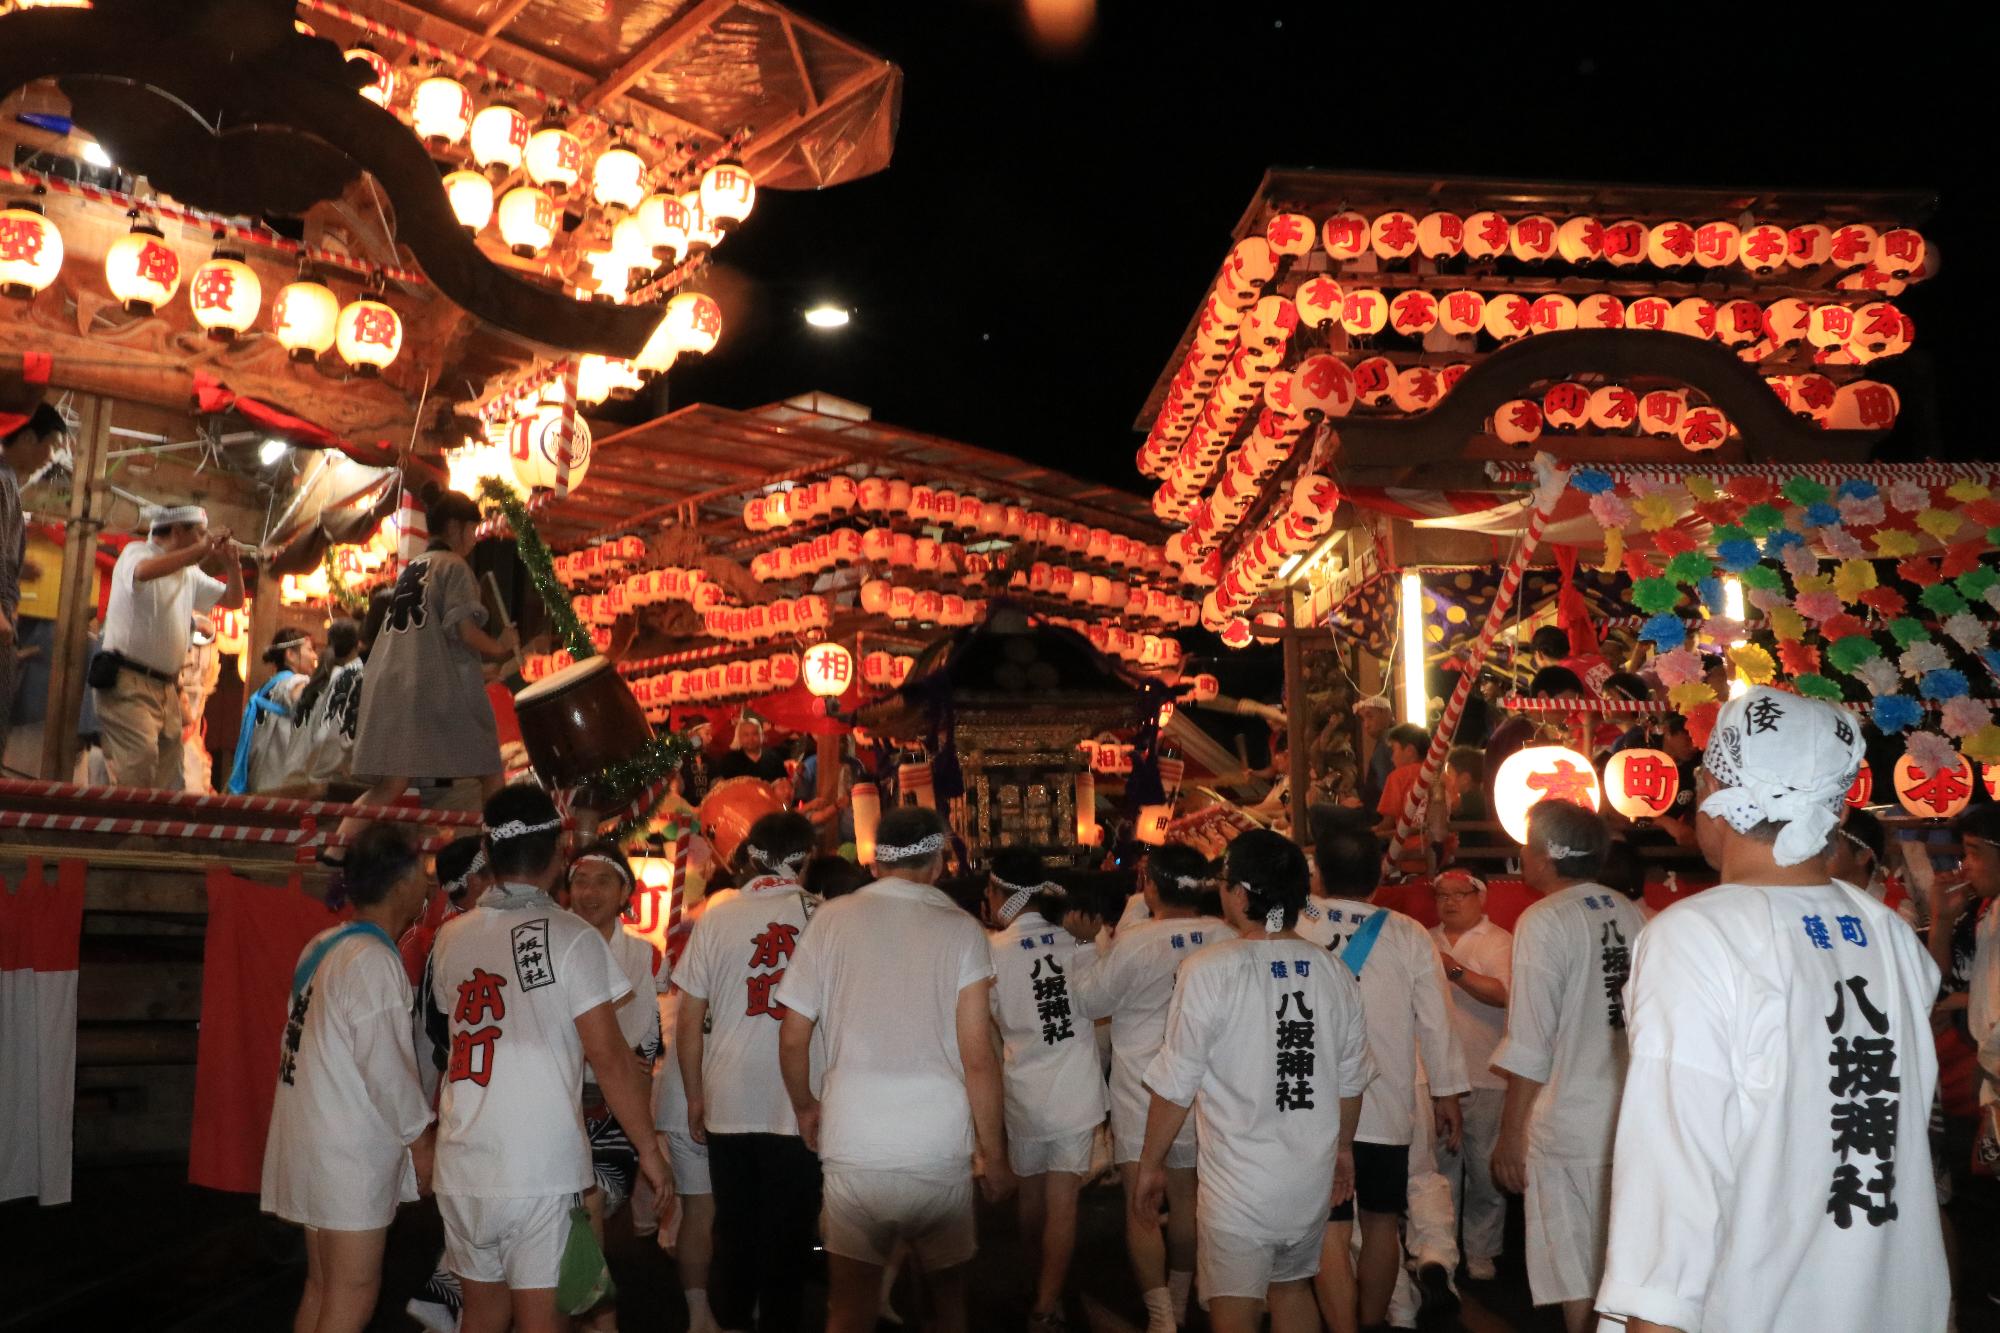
663	44
495	26
798	59
772	136
1298	731
76	598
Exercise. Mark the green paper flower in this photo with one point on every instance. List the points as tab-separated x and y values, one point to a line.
1993	536
1848	653
1654	595
1816	686
1690	567
1728	532
1762	576
1761	520
1803	491
1906	631
1976	582
1942	598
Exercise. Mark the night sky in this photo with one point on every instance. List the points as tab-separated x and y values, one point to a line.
1020	273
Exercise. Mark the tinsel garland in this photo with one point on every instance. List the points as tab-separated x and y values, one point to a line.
541	568
346	600
628	777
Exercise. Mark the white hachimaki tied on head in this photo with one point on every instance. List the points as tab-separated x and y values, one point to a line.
1784	759
790	867
1020	895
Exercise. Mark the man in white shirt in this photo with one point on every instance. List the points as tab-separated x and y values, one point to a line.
1773	1170
1564	1054
764	1178
528	993
1478	962
897	977
157	587
1266	1040
1403	993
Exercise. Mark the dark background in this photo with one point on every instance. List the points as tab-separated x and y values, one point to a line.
1020	273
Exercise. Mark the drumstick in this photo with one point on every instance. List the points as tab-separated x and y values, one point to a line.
512	666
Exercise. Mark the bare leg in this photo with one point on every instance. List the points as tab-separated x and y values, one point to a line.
1579	1316
487	1308
1180	1218
603	1318
1237	1314
853	1289
1381	1256
1292	1309
1059	1189
350	1276
383	792
1031	1207
535	1311
307	1318
697	1242
1145	1243
1334	1284
947	1292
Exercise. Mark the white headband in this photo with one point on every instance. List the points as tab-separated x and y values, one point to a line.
1020	895
1274	920
514	828
1780	758
1558	851
786	869
472	867
929	845
163	516
602	859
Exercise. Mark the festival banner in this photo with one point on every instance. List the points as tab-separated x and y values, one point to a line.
41	921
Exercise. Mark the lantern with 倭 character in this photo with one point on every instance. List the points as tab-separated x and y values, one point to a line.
368	335
1541	773
225	295
142	270
1642	784
31	251
1934	793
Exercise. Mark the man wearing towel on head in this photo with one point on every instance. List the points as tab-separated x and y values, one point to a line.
157	588
1772	1168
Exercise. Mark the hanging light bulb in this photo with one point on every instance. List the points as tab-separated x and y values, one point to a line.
527	220
499	137
554	156
368	335
225	295
31	250
658	355
471	198
702	235
665	219
695	321
382	90
303	318
618	178
440	109
142	270
728	191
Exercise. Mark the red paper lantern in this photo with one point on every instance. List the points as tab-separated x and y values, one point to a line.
1863	786
1566	406
1344	236
1642	784
1487	235
1614	407
1372	378
1533	238
1670	245
1580	240
1441	236
1394	236
1462	313
1517	422
1939	794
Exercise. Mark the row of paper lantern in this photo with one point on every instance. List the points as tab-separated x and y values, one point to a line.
1761	248
1059	581
225	295
1222	373
1152	652
1670	414
1296	526
528	450
1189	465
648	588
768	620
1242	475
926	505
899	601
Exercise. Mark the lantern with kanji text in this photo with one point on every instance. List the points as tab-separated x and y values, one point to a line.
440	109
1651	313
1461	313
1580	240
1290	234
695	323
1363	312
1413	313
728	192
1518	422
1566	406
1416	389
1830	325
829	670
1554	313
1600	310
618	178
527	220
1625	242
1863	786
1899	252
1393	235
1934	793
1541	773
1441	235
1864	405
499	137
553	157
368	335
1717	244
1372	377
1641	784
1851	246
1533	238
1762	249
1323	387
1808	245
535	447
381	86
1693	317
1508	316
1660	412
225	295
31	251
1701	429
1486	235
1670	245
1345	235
1879	331
304	317
142	270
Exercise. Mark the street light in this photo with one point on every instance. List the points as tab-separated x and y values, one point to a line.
826	317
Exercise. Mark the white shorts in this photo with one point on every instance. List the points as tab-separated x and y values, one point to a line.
518	1242
1568	1221
689	1161
866	1212
1130	1104
1066	1152
336	1189
1227	1265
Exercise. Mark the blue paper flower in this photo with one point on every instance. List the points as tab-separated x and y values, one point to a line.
1858	489
1666	630
1590	481
1943	683
1737	554
1777	542
1820	514
1710	592
1896	712
1991	656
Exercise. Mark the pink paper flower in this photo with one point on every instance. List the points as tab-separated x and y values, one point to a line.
1840	543
1611	510
1800	562
1879	675
1922	657
1965	715
1967	631
1677	667
1909	497
1818	605
1767	600
1859	513
1930	751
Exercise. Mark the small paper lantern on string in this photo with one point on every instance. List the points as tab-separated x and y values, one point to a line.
1762	249
554	157
1702	429
381	87
1393	236
1625	242
1808	245
1642	784
1878	332
1533	238
1864	405
728	193
1290	234
1934	794
703	234
1372	378
663	219
1487	235
499	137
142	270
1508	316
1363	312
1600	310
1650	313
1462	313
1670	245
1517	422
1441	235
368	336
1693	317
31	251
1553	313
660	352
1716	244
225	295
618	178
470	195
1899	252
695	323
1660	412
1852	246
527	220
1413	313
828	670
1344	235
1739	322
304	319
1318	301
440	110
1540	773
1566	406
1580	240
1830	325
1416	389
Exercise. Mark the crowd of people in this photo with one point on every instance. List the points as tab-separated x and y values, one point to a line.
1719	1116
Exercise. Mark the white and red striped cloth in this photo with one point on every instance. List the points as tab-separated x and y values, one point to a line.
41	922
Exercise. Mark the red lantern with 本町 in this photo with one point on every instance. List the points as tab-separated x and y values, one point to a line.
1508	316
1641	784
1717	244
1653	314
1878	332
1416	389
1345	235
1517	422
1462	313
1762	249
1541	773
1852	246
1660	412
1600	310
1554	313
1702	429
1580	240
1413	313
1372	378
1934	794
1363	312
1566	406
1808	245
1693	317
1290	234
1670	245
1533	238
1487	235
1614	407
1625	242
1899	252
1864	405
1441	235
1393	235
1323	387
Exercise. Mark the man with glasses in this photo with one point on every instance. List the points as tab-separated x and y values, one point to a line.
1772	1167
1478	962
157	586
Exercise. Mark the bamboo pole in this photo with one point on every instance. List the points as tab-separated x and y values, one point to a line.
76	598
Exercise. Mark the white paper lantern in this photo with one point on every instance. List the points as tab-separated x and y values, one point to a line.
1808	245
304	319
225	295
527	220
1372	377
1812	396
1487	235
1879	331
1763	248
1533	239
1786	320
703	234
1864	405
1899	252
554	157
1462	313
1717	244
1518	421
1693	317
695	322
1934	795
499	137
534	448
1625	242
470	195
1393	235
1654	314
1539	773
1344	235
1553	313
1413	313
1508	316
1566	406
368	335
1670	245
1660	412
618	178
142	270
1580	240
381	87
31	251
828	670
440	109
728	192
1290	234
1702	429
1739	323
1642	784
1600	310
1318	301
1363	312
1830	325
1613	407
1416	389
1441	236
1852	246
1323	386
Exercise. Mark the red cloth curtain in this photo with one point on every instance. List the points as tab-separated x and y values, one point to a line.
255	935
41	920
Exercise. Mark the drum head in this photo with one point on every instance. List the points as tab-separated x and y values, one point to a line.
563	679
731	808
